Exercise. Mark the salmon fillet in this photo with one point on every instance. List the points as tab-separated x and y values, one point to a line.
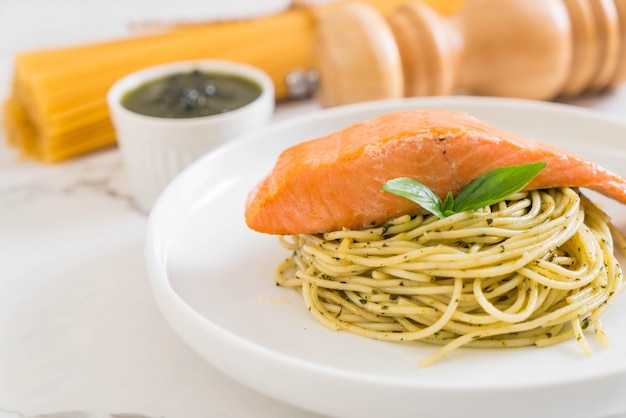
335	181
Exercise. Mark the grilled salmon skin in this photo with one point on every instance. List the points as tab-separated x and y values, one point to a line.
335	181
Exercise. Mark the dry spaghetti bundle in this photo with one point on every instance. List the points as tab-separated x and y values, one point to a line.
535	269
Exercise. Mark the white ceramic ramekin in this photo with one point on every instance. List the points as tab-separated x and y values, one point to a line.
156	149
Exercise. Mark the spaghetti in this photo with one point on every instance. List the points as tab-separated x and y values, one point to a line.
535	269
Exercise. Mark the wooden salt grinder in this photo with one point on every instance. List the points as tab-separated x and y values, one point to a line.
535	49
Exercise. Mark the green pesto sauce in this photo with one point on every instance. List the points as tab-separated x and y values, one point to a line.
192	94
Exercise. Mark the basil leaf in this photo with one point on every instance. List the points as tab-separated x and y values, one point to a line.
416	192
487	189
495	185
448	205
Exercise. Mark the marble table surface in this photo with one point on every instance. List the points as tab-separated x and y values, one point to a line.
80	334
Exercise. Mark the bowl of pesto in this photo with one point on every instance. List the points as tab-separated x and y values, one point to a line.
167	116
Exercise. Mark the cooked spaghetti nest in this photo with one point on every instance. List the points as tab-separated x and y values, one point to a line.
537	268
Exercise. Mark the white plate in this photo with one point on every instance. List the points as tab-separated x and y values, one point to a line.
213	279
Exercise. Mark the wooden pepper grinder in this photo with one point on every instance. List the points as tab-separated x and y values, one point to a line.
535	49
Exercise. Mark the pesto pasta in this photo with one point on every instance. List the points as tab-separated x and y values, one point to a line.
535	269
